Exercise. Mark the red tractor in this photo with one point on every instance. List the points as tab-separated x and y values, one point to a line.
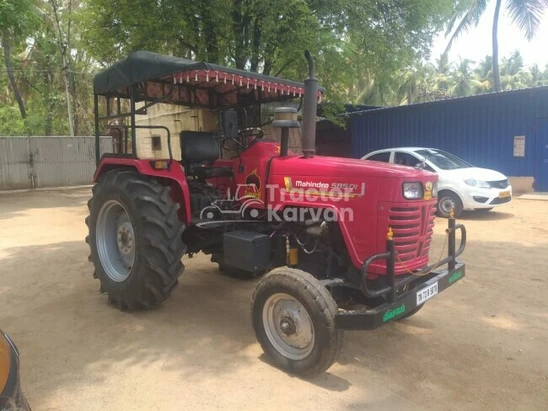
345	242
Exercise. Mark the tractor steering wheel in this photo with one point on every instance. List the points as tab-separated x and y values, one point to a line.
246	137
250	134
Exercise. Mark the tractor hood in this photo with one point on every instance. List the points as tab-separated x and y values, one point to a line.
348	167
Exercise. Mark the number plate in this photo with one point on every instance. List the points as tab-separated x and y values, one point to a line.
427	293
504	194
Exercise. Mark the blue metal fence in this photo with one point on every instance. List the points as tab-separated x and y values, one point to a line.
480	129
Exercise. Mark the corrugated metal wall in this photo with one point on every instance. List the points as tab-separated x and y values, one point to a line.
14	163
480	129
33	162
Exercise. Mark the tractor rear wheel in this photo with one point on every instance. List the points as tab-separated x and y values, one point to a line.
294	320
135	239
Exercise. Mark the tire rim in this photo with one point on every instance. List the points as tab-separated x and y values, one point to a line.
446	205
115	239
288	326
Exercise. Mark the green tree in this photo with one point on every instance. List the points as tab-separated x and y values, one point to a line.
483	76
462	78
512	72
16	21
415	84
441	76
536	77
526	14
353	39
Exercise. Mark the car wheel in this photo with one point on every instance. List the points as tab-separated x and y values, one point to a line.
448	201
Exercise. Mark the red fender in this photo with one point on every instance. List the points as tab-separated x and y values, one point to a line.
175	175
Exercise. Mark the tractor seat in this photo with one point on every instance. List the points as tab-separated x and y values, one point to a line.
199	149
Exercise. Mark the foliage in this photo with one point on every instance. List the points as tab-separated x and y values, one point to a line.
352	39
525	14
428	82
367	51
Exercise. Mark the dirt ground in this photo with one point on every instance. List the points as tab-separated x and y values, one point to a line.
481	345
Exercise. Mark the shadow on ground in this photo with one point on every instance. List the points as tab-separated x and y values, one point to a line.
17	203
485	215
62	324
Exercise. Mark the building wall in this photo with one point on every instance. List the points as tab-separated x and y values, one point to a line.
479	129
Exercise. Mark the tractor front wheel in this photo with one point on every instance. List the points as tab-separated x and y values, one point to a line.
294	320
135	239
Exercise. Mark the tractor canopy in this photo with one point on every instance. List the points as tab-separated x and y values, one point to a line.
191	83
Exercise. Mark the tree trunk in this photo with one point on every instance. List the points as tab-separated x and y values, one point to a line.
64	47
50	104
69	97
496	70
267	67
9	68
240	24
256	46
212	48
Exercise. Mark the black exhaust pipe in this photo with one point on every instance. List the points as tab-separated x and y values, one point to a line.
310	107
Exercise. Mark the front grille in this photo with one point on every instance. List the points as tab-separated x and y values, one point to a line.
412	227
498	184
501	200
480	199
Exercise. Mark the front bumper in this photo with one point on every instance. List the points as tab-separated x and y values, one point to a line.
486	197
369	319
400	296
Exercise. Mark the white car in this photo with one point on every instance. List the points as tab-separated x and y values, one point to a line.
461	186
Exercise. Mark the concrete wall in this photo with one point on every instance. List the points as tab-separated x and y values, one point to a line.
33	162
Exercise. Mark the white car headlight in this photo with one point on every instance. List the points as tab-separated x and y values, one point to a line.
413	191
474	182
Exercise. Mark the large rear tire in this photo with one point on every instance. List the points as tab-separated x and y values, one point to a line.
135	239
294	320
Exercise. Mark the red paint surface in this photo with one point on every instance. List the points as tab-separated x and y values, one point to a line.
379	207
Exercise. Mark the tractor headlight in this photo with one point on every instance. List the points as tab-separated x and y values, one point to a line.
435	189
474	182
413	191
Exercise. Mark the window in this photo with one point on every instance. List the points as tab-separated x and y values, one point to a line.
406	159
156	143
384	157
443	159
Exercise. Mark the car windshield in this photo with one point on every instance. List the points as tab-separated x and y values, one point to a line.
443	160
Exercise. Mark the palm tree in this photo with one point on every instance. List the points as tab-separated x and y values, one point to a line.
415	84
526	14
535	76
483	76
513	75
462	78
441	76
